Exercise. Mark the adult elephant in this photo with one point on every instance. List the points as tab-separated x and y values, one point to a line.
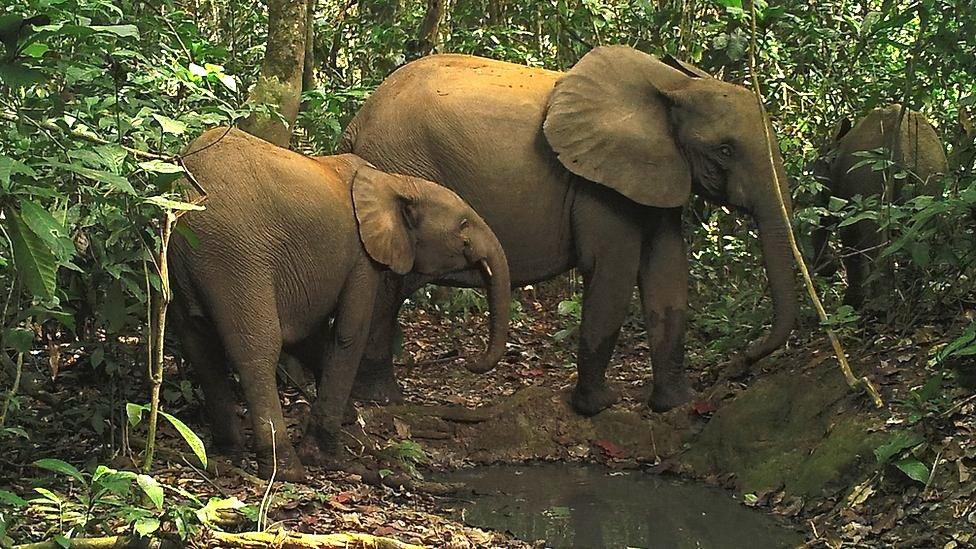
915	148
586	169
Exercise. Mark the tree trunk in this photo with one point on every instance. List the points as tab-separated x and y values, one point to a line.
308	72
427	37
280	83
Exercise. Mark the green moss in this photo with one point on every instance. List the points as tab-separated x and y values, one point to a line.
792	430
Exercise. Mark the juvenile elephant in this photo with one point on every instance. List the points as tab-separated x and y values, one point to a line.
587	169
914	147
288	243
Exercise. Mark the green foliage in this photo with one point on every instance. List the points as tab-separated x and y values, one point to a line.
907	446
571	310
103	497
407	454
134	413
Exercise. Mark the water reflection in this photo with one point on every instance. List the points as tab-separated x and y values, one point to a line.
590	507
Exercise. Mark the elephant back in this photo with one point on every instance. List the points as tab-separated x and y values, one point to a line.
914	144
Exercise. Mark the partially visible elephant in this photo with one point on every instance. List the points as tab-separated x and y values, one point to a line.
915	148
288	243
587	169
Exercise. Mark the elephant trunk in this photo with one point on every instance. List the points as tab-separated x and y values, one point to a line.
779	263
494	270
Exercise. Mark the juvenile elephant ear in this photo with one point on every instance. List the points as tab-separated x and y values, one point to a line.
382	203
608	122
842	128
684	67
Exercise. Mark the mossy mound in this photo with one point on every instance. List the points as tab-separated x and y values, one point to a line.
800	430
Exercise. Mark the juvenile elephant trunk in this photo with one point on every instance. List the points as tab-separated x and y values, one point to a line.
778	259
494	270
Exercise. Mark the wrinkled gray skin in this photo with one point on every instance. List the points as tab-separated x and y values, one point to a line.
289	242
917	150
587	169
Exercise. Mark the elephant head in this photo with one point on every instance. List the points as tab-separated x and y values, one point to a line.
413	225
654	132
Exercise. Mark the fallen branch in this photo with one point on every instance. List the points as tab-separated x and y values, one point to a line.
108	542
247	540
293	540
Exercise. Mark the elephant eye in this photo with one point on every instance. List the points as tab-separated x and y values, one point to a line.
725	150
464	223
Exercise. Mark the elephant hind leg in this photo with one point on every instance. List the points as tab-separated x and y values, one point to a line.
202	347
251	332
375	379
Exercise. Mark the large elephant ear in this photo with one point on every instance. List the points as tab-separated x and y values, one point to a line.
382	204
608	122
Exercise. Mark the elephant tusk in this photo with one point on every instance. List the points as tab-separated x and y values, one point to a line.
485	267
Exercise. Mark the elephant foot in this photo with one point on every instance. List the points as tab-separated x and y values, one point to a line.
666	396
289	469
593	400
314	452
380	387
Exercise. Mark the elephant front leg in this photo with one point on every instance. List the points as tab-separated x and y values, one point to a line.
349	335
607	291
663	283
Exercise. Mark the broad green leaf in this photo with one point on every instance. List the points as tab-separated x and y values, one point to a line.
48	495
20	339
159	166
915	469
16	431
14	75
33	259
10	166
134	412
35	50
117	182
59	466
152	489
118	30
189	436
12	499
228	80
177	205
899	441
97	356
62	541
210	513
44	225
169	125
145	526
931	389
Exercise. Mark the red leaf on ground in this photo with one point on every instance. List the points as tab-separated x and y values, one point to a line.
703	407
339	500
610	449
384	531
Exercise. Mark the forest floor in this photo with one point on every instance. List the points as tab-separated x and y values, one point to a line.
787	437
